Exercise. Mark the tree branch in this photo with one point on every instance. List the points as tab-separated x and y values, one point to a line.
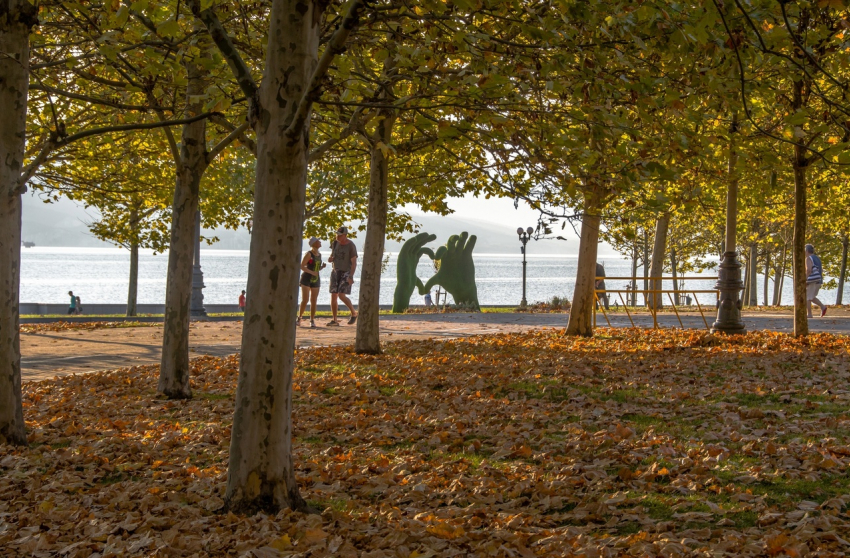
222	40
86	98
336	45
220	146
249	144
55	142
354	125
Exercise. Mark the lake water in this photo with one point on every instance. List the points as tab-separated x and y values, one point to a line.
99	275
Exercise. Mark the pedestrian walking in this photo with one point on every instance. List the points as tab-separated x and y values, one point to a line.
79	305
428	301
344	259
814	279
311	264
242	301
72	308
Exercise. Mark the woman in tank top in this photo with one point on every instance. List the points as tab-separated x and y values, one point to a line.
311	264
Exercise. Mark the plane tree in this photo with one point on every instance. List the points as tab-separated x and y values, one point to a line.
52	127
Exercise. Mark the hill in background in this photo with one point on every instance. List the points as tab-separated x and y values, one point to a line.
64	223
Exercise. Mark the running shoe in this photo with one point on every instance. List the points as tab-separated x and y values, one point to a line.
333	323
352	319
823	311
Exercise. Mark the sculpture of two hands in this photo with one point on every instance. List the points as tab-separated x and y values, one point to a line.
456	273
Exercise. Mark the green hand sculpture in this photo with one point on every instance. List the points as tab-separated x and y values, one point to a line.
408	258
457	270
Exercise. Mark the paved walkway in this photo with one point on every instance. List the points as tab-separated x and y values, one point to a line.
45	355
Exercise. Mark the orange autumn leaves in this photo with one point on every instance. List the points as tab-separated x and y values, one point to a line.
633	443
82	326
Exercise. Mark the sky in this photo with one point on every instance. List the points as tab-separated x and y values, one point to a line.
497	211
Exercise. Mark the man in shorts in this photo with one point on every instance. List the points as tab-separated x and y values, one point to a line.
814	279
344	259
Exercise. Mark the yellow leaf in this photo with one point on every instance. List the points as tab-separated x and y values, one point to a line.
282	543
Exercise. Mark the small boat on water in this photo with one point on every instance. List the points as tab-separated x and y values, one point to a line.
28	244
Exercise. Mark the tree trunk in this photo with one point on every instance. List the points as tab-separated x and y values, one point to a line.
133	290
581	311
15	26
752	277
658	251
673	268
634	273
801	321
368	340
839	298
798	256
645	267
766	274
261	473
174	368
780	277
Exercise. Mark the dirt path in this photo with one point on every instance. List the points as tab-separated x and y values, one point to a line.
49	354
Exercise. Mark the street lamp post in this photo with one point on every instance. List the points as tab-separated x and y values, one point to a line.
729	284
524	237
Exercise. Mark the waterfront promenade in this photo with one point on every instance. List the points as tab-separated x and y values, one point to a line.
55	353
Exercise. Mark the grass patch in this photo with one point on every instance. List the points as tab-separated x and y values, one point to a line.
215	396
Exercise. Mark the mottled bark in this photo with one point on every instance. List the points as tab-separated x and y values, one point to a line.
261	473
16	19
798	256
779	273
581	311
191	164
766	276
133	289
658	251
368	339
634	273
674	272
645	267
839	297
753	276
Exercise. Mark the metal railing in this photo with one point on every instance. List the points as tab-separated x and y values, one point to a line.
651	304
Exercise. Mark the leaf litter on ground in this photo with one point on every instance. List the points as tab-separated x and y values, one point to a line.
632	443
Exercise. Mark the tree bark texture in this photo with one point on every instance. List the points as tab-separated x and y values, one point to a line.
801	321
174	368
779	268
133	289
674	272
260	473
581	311
766	276
634	273
752	277
839	297
16	19
368	340
658	250
645	267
